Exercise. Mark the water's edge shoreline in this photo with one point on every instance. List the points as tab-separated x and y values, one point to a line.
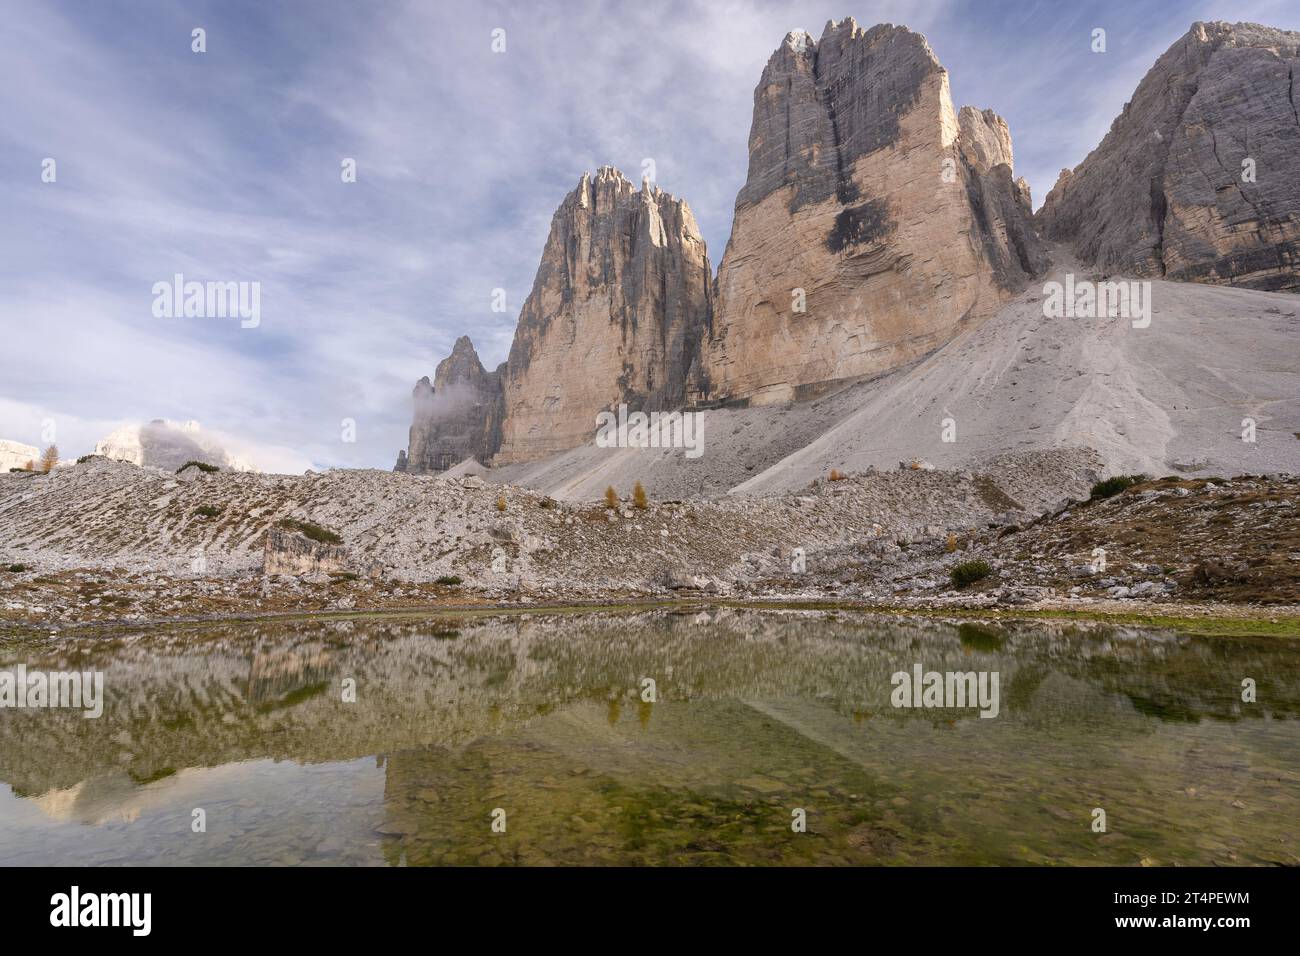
1198	620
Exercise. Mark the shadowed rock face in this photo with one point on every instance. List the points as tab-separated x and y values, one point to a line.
863	194
1164	193
457	416
818	107
1001	204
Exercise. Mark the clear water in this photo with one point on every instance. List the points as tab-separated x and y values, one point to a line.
758	714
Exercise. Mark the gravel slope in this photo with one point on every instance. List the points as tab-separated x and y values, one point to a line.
104	514
1164	399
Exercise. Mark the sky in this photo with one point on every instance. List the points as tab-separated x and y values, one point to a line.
226	166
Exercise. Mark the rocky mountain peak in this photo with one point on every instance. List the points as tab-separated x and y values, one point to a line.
617	310
876	223
1199	177
847	90
858	172
985	139
799	42
461	366
618	307
457	415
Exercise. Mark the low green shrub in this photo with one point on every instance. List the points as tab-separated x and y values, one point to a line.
1113	486
310	530
449	579
968	572
207	511
200	465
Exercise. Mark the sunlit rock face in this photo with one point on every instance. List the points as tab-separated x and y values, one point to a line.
167	445
286	552
621	299
866	234
1199	176
15	454
1001	203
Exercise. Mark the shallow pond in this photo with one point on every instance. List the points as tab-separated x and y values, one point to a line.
716	736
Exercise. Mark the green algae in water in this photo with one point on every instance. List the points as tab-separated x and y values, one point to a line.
757	719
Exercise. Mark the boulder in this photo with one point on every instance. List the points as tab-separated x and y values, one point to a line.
288	552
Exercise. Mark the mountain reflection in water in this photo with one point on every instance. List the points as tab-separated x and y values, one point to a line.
756	715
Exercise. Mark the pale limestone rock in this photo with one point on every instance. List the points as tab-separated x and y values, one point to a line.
899	222
985	139
861	194
1001	205
15	454
287	552
167	445
616	313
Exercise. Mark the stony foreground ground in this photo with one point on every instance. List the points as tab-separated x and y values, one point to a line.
105	541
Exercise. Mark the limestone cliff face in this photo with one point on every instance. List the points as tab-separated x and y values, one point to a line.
457	415
621	299
1164	193
1001	203
861	194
